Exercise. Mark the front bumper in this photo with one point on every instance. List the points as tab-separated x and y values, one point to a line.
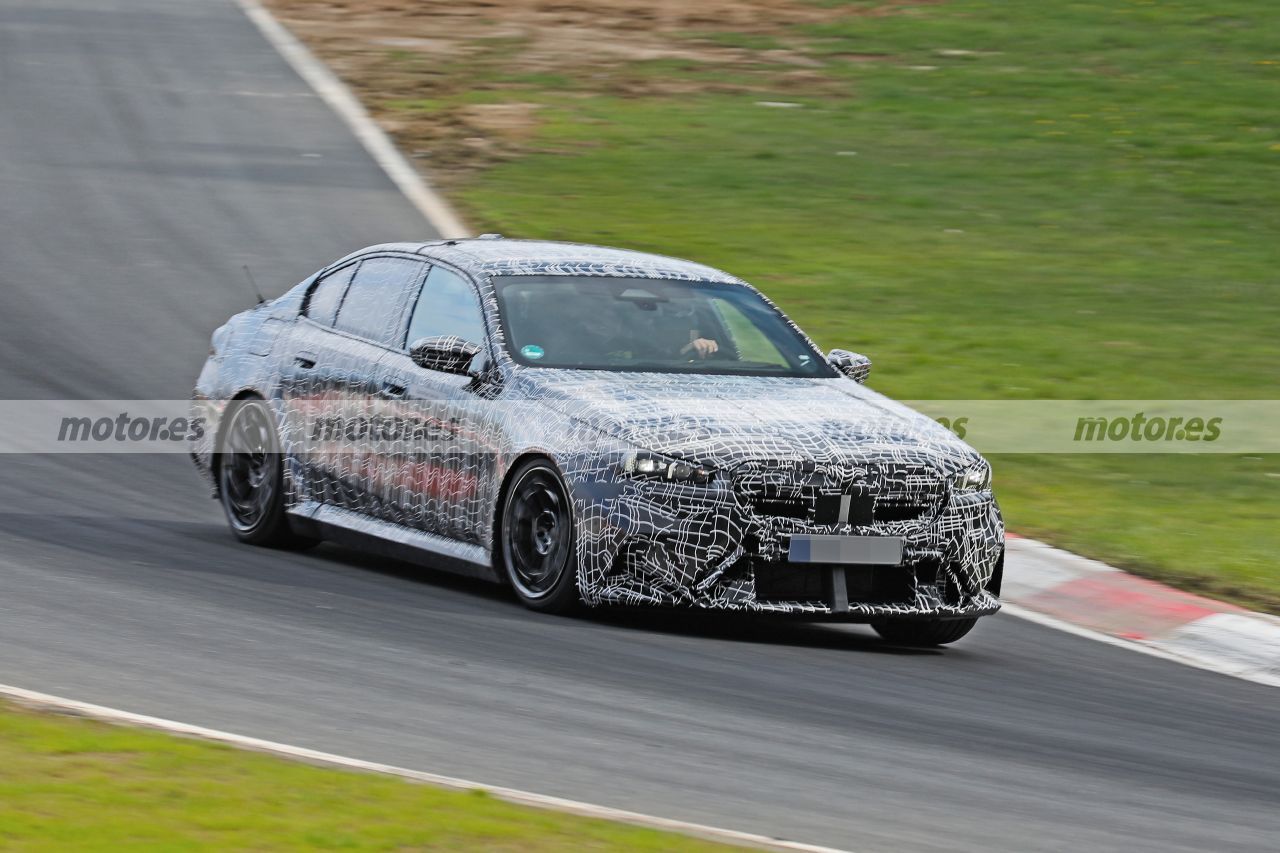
661	544
209	411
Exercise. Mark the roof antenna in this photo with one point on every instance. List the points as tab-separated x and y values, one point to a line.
253	285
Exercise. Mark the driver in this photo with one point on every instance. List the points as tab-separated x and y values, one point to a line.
699	346
645	334
664	338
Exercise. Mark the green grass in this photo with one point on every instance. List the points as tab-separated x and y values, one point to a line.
76	784
1084	205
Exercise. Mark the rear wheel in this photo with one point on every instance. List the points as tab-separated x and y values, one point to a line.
923	632
536	539
251	477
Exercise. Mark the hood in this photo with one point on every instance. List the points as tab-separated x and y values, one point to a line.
722	421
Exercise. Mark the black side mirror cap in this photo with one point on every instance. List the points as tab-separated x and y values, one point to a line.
446	353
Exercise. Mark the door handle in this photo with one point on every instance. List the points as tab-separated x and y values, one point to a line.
391	390
305	361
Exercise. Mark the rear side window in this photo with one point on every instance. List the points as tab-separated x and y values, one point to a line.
374	305
448	306
327	295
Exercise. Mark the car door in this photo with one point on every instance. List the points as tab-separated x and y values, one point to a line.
331	381
441	479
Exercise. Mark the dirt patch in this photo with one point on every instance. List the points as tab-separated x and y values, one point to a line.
413	61
510	121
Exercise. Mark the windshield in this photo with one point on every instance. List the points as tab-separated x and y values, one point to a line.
644	324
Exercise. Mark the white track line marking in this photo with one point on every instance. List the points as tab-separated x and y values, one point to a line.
44	701
340	99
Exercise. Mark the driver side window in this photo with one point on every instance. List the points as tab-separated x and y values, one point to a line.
447	306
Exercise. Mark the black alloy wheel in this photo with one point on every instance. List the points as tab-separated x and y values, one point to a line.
251	477
537	539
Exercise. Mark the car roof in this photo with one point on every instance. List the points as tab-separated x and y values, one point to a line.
495	256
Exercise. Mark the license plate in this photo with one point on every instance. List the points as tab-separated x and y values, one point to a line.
848	550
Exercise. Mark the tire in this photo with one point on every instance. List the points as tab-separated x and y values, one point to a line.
923	632
536	539
251	477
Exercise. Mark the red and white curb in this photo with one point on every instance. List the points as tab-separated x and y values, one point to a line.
1055	587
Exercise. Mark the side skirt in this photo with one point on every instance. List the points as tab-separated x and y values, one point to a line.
374	535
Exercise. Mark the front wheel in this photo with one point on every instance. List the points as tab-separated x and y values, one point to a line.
923	632
251	479
536	539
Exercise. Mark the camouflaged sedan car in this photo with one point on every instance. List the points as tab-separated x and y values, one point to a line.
593	427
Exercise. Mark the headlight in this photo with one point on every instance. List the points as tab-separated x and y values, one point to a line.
217	341
972	479
655	467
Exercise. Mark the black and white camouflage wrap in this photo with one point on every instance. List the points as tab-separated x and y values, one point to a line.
779	448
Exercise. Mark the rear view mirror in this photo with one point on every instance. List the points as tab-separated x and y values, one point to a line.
448	354
851	364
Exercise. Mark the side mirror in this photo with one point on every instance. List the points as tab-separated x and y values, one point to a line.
446	353
851	364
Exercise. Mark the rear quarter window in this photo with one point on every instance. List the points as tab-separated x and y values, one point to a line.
326	296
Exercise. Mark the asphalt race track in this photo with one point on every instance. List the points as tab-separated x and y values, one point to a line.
148	148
